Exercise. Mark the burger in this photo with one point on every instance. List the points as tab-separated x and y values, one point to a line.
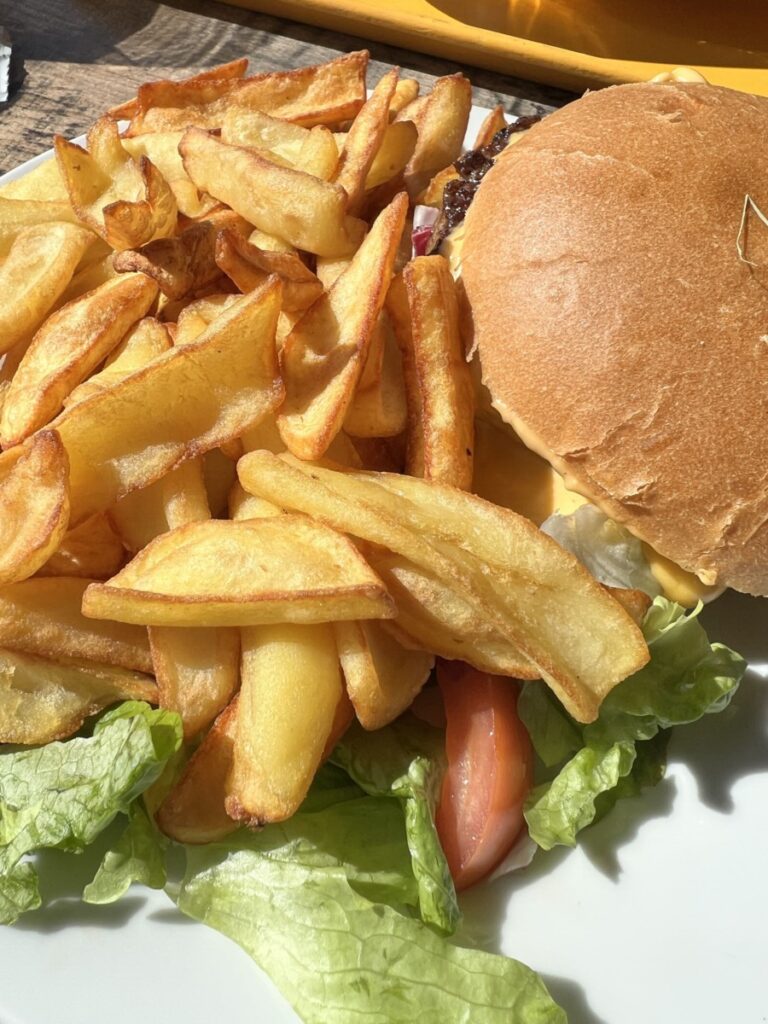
614	261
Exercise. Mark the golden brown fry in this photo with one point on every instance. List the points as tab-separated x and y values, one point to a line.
319	154
309	213
201	395
249	266
43	183
92	550
38	268
34	505
234	69
324	355
382	677
197	672
218	573
43	617
379	407
169	106
323	94
406	91
87	279
69	345
538	596
433	193
185	263
290	690
256	130
442	125
42	701
396	149
364	140
193	811
125	202
399	311
441	415
492	123
18	214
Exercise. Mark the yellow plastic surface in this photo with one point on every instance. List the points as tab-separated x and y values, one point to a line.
568	43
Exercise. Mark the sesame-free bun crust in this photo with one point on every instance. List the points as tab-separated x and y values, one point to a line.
619	330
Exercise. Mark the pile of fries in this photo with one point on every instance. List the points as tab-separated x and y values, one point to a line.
238	429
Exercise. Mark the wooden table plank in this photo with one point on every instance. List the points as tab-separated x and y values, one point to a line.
84	55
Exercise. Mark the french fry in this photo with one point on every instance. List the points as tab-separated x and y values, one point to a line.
382	677
42	184
92	550
289	569
43	617
324	94
42	701
248	267
397	146
399	311
364	140
145	340
442	124
184	263
199	314
234	69
36	271
441	414
254	129
87	279
193	811
290	690
309	213
379	408
34	505
493	122
18	214
139	517
197	672
319	154
263	240
540	598
71	343
406	91
201	395
126	203
323	357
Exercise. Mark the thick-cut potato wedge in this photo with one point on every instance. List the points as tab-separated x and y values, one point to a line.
432	616
364	140
492	123
309	213
87	279
217	573
399	311
200	396
323	357
185	263
257	130
324	94
379	407
442	124
68	346
18	214
248	266
291	685
263	240
139	517
145	340
234	69
406	91
396	149
319	154
125	202
42	701
538	596
43	617
193	811
162	149
92	550
166	106
441	414
382	677
199	314
42	184
34	504
36	271
197	672
330	270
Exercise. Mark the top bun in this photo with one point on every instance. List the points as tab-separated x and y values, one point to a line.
620	331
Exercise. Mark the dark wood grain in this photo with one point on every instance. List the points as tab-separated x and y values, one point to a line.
82	56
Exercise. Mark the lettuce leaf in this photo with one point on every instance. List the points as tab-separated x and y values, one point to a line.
405	761
687	677
137	856
64	794
302	899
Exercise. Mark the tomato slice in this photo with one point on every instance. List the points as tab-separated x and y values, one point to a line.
490	770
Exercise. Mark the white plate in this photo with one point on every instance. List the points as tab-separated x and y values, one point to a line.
658	917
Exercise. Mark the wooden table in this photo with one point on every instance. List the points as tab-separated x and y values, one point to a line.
81	56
